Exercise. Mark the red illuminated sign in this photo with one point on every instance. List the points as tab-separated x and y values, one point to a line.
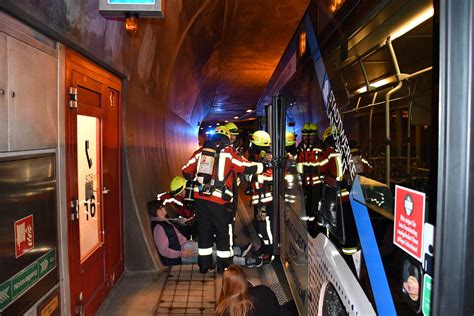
24	235
409	220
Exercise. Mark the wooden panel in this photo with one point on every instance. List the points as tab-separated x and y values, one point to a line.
111	180
32	97
3	97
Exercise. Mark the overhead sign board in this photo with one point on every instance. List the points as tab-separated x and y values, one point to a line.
409	219
144	8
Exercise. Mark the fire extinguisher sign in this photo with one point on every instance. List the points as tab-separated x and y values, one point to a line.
409	219
24	235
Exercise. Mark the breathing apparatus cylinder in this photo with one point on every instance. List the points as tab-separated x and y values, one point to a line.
188	200
205	167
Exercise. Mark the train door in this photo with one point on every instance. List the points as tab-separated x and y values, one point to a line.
93	182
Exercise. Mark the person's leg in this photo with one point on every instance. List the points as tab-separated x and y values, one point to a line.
222	220
206	238
265	227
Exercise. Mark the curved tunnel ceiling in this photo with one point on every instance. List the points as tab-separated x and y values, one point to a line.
254	36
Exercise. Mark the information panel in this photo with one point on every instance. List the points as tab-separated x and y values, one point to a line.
409	220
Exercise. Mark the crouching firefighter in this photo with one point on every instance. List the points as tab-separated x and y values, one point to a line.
262	199
212	168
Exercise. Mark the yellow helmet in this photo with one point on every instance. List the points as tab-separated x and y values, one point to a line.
233	129
290	139
261	138
330	131
306	129
313	128
177	185
223	131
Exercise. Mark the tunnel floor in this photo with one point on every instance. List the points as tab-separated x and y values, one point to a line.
182	290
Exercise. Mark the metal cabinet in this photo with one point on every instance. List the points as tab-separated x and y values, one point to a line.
28	96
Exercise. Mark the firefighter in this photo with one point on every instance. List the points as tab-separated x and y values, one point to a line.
335	200
262	199
210	168
175	197
309	151
290	145
236	144
234	134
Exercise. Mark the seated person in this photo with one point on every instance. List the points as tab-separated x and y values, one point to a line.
173	248
238	297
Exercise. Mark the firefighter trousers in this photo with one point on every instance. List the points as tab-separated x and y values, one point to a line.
215	224
313	196
263	227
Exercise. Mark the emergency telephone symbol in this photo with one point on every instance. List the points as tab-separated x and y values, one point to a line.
408	204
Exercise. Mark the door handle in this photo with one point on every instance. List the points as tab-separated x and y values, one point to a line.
105	190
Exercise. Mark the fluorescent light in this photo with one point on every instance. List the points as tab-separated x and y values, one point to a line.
413	22
375	85
217	124
236	117
249	111
226	121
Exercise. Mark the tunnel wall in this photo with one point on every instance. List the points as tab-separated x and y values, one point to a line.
170	69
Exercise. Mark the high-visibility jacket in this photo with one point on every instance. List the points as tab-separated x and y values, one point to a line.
262	188
227	161
330	163
177	202
308	155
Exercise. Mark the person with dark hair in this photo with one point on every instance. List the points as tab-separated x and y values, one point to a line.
237	298
174	249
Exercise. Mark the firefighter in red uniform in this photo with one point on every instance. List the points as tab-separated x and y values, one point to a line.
210	167
309	151
335	205
175	197
262	194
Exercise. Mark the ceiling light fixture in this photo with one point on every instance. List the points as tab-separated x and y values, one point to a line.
249	111
416	20
375	84
236	117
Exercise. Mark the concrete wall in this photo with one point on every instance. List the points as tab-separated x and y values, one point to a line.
170	67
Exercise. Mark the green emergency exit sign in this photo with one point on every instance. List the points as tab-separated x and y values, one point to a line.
427	290
17	285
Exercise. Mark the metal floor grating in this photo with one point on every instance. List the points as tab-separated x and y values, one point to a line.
188	292
271	280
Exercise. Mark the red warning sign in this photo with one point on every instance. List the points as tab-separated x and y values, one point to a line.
24	235
409	220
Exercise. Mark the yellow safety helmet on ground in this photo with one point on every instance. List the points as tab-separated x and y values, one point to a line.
223	131
330	131
290	139
177	185
313	128
233	129
306	129
261	138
